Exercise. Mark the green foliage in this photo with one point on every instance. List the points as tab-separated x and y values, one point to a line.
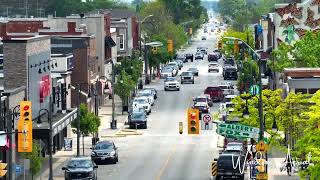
66	7
248	75
303	53
89	122
244	36
35	157
124	85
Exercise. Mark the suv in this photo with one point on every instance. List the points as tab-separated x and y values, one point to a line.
199	55
80	168
187	76
230	73
213	57
105	151
171	83
189	56
215	92
137	118
225	165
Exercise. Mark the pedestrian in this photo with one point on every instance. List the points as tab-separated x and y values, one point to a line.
288	162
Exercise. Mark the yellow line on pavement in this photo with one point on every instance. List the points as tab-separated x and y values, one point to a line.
165	164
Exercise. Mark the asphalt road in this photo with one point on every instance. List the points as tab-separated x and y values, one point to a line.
161	152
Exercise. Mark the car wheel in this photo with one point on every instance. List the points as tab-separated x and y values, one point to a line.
217	177
225	78
117	159
178	89
193	82
208	71
165	89
145	126
114	161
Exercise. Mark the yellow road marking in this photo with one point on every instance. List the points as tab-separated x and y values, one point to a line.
165	164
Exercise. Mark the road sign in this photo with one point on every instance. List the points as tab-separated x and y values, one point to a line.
214	168
262	176
238	130
206	118
261	146
206	123
254	90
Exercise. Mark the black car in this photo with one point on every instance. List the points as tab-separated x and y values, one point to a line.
225	166
230	61
189	56
213	57
105	151
218	53
138	119
230	73
195	71
80	168
187	76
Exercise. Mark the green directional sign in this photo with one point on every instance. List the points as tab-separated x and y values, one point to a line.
254	90
238	130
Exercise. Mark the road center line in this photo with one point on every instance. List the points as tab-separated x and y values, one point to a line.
165	164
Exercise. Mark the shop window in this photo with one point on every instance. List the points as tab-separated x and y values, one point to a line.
121	41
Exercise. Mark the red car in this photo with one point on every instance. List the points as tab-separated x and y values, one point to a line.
215	92
213	57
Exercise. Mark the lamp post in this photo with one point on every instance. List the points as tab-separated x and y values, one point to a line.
39	124
140	22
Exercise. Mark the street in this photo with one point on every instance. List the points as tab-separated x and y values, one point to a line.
161	152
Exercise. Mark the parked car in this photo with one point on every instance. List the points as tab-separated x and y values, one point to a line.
148	94
203	98
80	168
189	56
230	73
179	62
213	57
213	67
141	102
166	72
194	70
199	55
227	89
138	119
218	53
171	83
105	151
187	77
215	92
203	38
225	166
174	66
154	92
229	60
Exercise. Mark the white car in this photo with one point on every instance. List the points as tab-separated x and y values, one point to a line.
148	94
141	102
213	67
174	66
166	72
229	98
227	89
199	55
171	83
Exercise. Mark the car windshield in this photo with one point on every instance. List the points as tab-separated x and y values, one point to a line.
145	94
140	101
186	74
192	69
213	65
201	99
223	87
80	163
229	105
137	116
169	79
100	146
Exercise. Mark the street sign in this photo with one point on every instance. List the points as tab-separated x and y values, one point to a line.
206	123
237	130
254	90
18	169
261	146
206	118
262	176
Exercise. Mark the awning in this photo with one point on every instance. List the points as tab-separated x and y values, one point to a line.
108	41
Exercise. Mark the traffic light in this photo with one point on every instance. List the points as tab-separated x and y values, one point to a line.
2	169
25	127
219	45
193	121
236	47
170	45
154	50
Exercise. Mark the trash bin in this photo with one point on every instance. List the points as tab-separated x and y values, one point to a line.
140	85
113	124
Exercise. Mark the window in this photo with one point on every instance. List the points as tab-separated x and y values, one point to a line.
121	41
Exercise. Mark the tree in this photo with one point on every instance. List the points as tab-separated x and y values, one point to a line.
303	53
123	86
35	158
89	123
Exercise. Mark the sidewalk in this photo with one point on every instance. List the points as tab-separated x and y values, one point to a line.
276	157
61	157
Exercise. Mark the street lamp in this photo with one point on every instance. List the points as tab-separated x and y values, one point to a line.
39	124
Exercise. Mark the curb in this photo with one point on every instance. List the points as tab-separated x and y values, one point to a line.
114	135
130	133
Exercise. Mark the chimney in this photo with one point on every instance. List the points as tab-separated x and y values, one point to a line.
3	31
71	27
